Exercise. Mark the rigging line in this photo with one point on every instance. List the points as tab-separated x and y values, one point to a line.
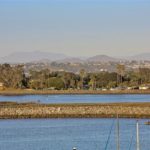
131	142
109	135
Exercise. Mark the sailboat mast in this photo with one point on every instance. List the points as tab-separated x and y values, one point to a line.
137	136
118	134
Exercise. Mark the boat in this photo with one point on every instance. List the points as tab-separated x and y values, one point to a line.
118	136
147	123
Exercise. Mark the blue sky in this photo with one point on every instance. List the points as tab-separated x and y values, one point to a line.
75	27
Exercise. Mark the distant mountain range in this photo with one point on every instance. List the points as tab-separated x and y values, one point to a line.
24	57
37	56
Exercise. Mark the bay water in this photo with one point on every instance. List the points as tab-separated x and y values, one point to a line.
64	134
78	98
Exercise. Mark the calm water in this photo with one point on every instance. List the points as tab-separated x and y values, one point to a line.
78	98
63	134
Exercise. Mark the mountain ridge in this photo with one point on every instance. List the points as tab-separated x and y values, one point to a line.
102	58
38	56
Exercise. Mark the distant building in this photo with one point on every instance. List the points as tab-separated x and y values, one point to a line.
144	87
1	86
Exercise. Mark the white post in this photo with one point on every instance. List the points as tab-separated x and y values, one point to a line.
137	136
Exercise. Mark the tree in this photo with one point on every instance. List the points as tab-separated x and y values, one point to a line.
11	76
35	84
65	78
40	77
82	75
120	73
93	81
104	79
144	75
56	83
133	78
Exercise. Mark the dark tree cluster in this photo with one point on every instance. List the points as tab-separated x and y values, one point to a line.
15	77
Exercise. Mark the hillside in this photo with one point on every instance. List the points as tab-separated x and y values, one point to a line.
101	58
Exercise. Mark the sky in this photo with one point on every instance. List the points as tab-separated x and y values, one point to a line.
75	27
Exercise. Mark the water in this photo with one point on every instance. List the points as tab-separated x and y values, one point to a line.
63	134
78	98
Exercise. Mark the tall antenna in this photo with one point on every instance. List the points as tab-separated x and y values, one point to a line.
137	136
118	133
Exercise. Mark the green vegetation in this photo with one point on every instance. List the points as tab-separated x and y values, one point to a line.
55	82
15	77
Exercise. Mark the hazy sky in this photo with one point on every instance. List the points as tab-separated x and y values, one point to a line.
75	27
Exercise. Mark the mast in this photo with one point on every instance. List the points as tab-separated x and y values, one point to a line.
118	133
137	136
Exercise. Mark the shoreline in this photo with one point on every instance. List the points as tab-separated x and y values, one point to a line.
12	92
14	110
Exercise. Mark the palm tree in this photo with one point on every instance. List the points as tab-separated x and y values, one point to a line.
65	79
120	73
93	81
82	75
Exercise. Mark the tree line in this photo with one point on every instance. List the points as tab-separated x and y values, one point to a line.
15	77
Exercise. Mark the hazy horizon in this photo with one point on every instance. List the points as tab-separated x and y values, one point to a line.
75	27
77	56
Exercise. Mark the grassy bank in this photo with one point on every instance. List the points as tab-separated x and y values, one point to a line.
13	110
52	92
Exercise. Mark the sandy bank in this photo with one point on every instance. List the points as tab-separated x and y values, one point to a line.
52	92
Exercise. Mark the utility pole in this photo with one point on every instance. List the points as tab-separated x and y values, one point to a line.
137	136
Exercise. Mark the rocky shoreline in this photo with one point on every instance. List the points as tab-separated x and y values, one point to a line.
13	110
